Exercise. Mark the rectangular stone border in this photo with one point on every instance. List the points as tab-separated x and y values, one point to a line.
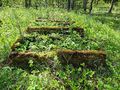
75	57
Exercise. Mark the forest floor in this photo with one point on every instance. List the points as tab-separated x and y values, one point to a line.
58	50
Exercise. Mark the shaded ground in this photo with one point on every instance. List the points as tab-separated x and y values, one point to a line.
112	20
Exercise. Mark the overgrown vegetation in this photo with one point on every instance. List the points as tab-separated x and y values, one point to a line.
101	33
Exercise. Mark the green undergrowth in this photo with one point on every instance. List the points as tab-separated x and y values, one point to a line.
112	20
48	23
53	41
100	13
98	36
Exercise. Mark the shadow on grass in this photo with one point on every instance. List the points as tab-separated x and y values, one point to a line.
112	20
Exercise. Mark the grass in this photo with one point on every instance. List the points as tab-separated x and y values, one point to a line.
98	36
112	20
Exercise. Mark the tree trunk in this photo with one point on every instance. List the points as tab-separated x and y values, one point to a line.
0	3
85	5
26	3
70	5
91	6
30	4
112	3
